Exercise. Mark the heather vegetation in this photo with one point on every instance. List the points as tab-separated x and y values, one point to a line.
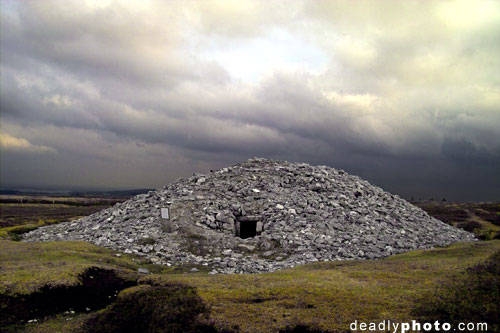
20	214
165	308
482	219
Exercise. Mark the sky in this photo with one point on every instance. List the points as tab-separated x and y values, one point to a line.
135	94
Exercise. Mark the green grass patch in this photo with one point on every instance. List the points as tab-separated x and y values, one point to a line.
469	296
42	279
21	229
60	323
27	267
329	296
13	232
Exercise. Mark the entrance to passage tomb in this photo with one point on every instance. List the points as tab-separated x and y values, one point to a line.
247	229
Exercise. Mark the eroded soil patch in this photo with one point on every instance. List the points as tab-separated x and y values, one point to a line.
98	287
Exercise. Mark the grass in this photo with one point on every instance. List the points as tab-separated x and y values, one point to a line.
326	295
40	279
473	295
167	308
329	296
28	267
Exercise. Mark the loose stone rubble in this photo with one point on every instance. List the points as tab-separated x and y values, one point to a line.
292	214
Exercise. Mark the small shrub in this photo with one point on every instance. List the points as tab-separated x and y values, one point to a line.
146	241
168	308
497	219
497	236
473	296
485	236
490	216
9	235
470	226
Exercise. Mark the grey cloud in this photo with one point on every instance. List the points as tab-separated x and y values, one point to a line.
110	95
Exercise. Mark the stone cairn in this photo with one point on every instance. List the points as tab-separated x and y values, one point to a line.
260	216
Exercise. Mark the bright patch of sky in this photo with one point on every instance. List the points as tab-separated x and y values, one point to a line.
249	60
10	6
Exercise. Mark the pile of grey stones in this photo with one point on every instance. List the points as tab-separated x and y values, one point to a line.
260	216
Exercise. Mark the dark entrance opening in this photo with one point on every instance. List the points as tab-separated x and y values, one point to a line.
248	229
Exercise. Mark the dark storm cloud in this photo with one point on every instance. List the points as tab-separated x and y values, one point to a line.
110	95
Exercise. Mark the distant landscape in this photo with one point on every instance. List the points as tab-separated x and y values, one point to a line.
73	193
481	218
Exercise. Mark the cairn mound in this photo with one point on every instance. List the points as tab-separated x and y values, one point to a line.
258	216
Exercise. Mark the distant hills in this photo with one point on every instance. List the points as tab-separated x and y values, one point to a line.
77	193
